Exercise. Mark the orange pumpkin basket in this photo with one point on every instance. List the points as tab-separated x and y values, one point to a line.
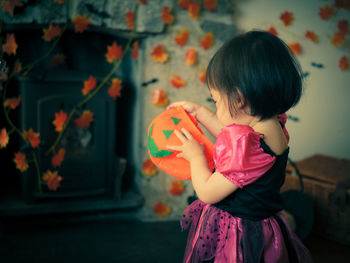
161	133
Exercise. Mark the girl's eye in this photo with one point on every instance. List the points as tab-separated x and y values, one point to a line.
211	100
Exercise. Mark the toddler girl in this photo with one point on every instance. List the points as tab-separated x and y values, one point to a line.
253	80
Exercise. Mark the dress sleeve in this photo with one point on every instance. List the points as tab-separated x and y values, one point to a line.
238	155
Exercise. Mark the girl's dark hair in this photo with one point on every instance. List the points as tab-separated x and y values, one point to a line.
258	68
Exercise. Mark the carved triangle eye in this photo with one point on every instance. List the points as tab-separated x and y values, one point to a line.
175	120
167	133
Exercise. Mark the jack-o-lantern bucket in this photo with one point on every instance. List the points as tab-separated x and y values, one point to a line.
161	133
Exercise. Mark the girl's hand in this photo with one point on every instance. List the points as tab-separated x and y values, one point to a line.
190	149
191	107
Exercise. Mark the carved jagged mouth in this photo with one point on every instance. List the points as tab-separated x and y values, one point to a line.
153	148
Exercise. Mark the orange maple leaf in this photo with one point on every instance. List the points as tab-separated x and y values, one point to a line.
343	63
272	31
17	68
177	187
338	39
166	16
60	119
4	138
12	102
115	88
130	17
114	52
9	5
207	41
148	168
20	161
159	54
10	46
295	48
312	36
52	179
193	10
210	4
85	119
287	18
343	26
57	60
51	32
161	210
202	76
144	2
135	50
89	84
32	137
191	57
159	98
81	23
177	82
326	12
182	38
57	159
184	3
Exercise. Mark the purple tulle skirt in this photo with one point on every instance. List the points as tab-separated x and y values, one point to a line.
217	236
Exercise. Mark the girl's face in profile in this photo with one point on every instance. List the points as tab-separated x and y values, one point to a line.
222	109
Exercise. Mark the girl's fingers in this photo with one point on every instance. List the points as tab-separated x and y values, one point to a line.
187	134
180	136
174	148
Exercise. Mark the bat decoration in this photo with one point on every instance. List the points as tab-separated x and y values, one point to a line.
293	118
317	65
305	74
146	83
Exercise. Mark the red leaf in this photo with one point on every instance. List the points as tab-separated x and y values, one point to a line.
144	2
177	187
207	41
166	16
57	159
89	84
85	119
114	52
191	57
287	18
295	48
51	32
130	17
159	98
159	54
326	12
4	138
115	88
338	39
210	4
10	46
57	60
20	161
177	82
193	10
32	137
182	38
52	179
81	23
312	36
9	5
161	210
12	102
343	26
184	3
135	50
148	168
343	63
59	121
202	76
272	31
